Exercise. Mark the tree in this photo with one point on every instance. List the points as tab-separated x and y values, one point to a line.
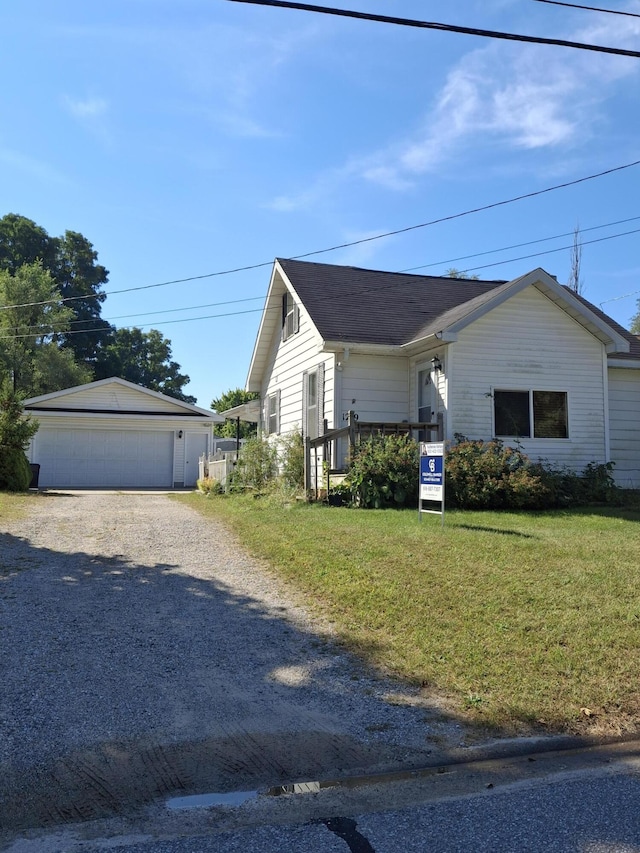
575	282
16	429
31	315
228	400
72	262
143	358
79	278
23	242
635	321
452	272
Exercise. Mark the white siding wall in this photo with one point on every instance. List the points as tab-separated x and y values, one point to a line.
111	422
376	387
113	397
528	343
624	407
287	362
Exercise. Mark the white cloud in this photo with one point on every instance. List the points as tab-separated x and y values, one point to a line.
89	108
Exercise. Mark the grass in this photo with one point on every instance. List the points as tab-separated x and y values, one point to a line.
518	621
14	505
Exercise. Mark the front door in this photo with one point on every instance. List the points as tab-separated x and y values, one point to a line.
426	401
195	445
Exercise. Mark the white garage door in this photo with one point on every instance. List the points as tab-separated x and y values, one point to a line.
104	458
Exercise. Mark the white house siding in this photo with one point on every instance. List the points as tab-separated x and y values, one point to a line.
98	436
376	387
287	362
528	343
624	425
114	397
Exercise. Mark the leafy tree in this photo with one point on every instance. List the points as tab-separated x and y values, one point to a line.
452	272
23	242
79	278
72	262
228	400
635	320
16	429
31	315
143	358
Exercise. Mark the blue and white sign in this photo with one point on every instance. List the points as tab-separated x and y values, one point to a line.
432	474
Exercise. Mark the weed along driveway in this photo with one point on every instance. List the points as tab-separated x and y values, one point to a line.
146	656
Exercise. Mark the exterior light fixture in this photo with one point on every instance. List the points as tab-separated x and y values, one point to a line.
436	364
179	433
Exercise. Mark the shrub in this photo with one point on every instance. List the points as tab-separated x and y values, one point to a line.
15	470
384	472
256	468
488	475
210	486
16	429
291	450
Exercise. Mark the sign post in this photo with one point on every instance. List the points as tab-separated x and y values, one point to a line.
431	486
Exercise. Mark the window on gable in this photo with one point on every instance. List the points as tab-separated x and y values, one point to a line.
522	414
290	316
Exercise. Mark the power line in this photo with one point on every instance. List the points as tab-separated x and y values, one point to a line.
590	8
405	270
430	25
61	331
520	245
348	245
551	251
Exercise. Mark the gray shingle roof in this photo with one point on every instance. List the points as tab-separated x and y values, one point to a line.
370	306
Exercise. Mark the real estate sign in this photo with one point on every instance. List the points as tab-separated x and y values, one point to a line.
431	487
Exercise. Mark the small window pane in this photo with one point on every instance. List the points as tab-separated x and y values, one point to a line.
511	409
550	414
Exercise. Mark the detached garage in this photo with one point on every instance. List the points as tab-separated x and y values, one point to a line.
112	434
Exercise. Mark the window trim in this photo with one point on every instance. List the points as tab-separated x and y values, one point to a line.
532	426
272	399
290	316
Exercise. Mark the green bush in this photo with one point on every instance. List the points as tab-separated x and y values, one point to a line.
257	466
210	486
291	451
384	472
15	470
488	475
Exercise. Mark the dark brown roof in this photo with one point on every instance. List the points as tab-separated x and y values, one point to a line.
370	306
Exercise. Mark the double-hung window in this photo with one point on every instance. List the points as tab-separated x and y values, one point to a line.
271	416
290	316
531	414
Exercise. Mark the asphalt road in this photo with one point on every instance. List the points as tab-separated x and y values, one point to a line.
585	801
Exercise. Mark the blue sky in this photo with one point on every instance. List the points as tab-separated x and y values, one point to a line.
189	138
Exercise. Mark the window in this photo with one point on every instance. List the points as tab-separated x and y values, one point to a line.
313	402
290	316
522	414
272	414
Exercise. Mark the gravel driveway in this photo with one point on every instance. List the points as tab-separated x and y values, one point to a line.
144	654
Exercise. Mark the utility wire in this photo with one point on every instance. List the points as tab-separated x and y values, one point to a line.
589	8
45	332
348	245
430	25
521	245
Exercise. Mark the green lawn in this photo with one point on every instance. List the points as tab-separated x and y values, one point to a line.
516	620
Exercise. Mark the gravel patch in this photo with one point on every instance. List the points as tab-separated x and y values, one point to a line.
144	652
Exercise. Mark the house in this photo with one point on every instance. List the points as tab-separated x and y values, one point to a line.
115	434
524	360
